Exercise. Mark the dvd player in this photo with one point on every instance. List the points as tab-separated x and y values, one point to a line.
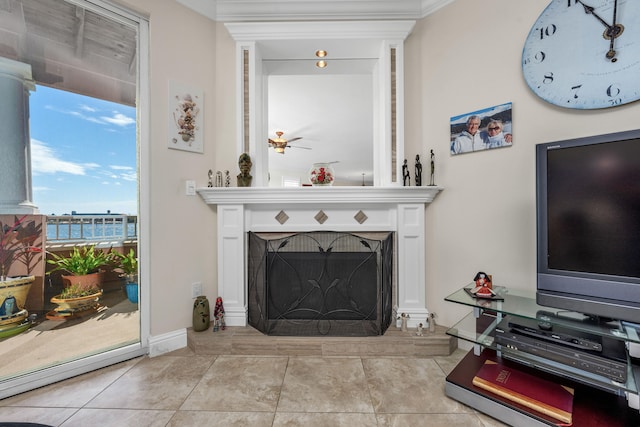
610	362
556	334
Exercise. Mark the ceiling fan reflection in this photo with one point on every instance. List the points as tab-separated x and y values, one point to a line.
279	143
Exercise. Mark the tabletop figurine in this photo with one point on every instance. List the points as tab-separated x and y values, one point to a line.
218	179
418	171
483	286
432	181
244	177
419	330
406	176
210	183
227	179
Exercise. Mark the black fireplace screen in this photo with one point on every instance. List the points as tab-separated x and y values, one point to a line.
320	283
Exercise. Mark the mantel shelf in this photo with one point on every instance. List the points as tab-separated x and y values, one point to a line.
316	195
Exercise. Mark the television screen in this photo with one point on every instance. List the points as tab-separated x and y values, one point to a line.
588	215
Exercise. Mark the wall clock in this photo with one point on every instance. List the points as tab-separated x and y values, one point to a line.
585	54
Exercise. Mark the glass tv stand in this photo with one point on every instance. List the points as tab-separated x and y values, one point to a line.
512	306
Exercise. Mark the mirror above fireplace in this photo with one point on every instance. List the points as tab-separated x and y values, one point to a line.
273	50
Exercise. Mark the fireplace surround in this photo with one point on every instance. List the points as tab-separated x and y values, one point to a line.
400	210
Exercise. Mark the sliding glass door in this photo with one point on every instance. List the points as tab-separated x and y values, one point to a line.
80	64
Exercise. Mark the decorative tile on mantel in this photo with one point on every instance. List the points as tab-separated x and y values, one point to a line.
361	217
321	217
282	217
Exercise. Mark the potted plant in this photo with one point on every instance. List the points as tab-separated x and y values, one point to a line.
127	263
20	240
75	300
82	266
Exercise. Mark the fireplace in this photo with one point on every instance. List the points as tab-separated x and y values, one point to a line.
320	283
351	210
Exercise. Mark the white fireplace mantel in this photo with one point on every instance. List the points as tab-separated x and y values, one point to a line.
302	209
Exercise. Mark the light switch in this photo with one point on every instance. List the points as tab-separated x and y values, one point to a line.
191	188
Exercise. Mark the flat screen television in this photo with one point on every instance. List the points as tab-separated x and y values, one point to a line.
588	225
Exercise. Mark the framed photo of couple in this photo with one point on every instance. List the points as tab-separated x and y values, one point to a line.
481	130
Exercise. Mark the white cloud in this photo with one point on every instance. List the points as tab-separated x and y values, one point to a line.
119	119
121	168
45	160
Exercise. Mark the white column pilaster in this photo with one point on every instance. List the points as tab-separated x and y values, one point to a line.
231	263
411	263
15	162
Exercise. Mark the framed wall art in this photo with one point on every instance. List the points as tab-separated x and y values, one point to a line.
186	112
481	130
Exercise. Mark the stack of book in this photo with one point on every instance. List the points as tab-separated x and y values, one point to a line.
541	395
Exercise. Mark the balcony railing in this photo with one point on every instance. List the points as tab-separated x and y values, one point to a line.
98	227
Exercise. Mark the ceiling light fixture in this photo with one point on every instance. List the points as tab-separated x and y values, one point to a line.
321	53
321	64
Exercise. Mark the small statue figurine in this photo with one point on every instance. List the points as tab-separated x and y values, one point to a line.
432	181
418	171
227	179
244	178
406	176
218	179
218	314
210	183
404	317
432	322
419	330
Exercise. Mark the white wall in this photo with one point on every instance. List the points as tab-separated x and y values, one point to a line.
182	228
463	58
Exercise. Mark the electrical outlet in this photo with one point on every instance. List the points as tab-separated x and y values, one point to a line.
191	188
196	289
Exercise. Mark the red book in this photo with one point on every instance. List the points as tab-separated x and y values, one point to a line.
544	396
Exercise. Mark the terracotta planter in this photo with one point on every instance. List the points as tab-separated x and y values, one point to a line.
87	281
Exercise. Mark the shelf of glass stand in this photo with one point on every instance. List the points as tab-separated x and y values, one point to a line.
480	331
522	303
476	330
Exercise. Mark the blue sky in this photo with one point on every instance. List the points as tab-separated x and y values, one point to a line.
83	154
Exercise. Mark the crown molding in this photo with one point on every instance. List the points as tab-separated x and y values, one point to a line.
313	10
250	31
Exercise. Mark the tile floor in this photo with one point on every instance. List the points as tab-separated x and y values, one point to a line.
186	389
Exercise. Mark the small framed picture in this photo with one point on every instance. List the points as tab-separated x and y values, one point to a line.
481	130
186	112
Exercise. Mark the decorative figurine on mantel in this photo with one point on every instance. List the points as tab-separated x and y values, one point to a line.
227	179
432	181
419	330
406	176
218	179
244	177
210	183
418	171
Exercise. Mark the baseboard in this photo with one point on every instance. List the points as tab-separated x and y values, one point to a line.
165	343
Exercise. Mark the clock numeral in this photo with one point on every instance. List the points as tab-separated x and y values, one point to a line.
537	58
571	3
575	91
547	78
547	31
612	92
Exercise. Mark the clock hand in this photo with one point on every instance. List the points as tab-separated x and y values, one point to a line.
614	32
591	11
